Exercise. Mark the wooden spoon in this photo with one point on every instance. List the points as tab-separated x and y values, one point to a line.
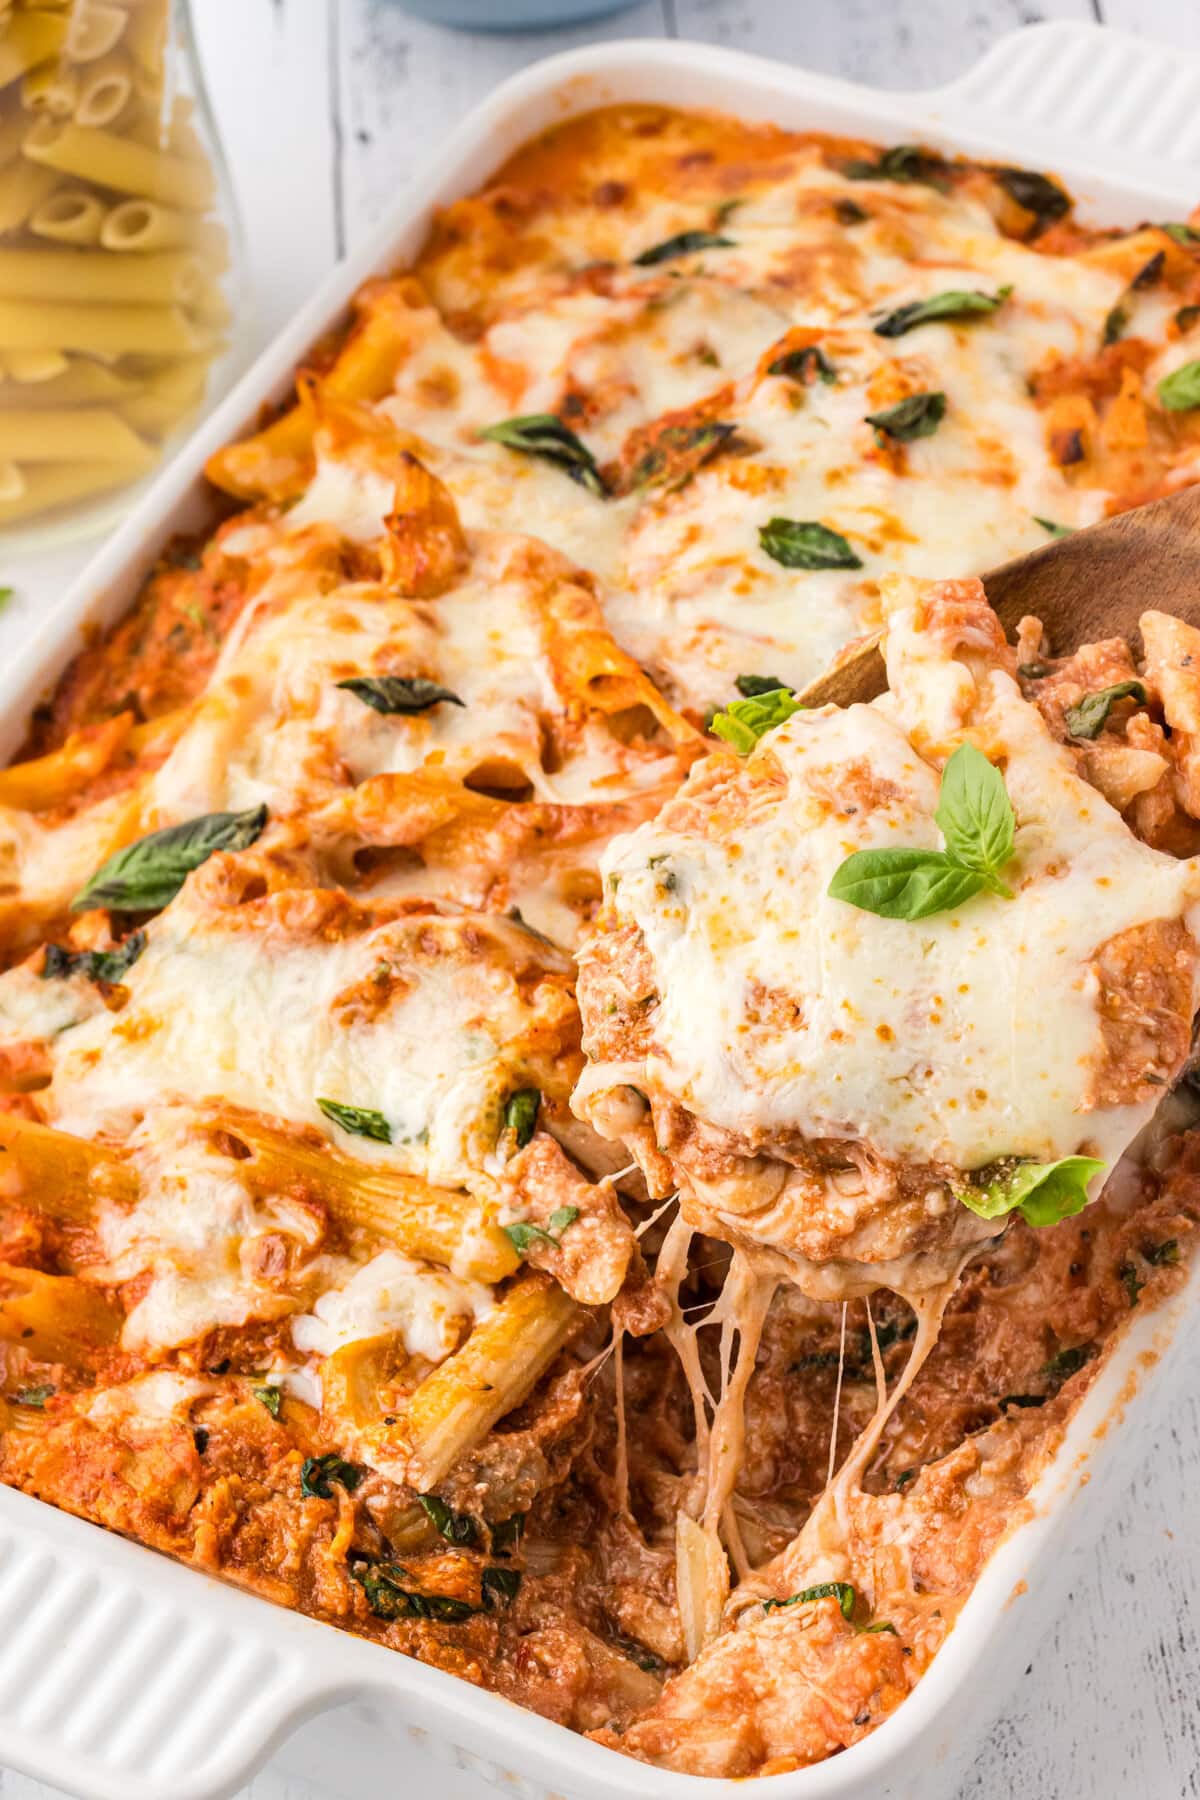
1094	584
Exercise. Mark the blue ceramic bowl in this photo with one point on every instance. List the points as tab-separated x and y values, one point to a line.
511	15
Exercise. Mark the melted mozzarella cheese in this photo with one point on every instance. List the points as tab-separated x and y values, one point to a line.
409	1019
961	1038
429	1308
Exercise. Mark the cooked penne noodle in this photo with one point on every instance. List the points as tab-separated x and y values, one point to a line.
494	1371
170	278
118	162
56	1318
65	1177
44	435
103	330
23	187
70	216
47	781
31	37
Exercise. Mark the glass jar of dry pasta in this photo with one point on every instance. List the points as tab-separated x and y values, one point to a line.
122	302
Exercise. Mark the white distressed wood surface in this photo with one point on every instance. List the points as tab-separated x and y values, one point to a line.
326	107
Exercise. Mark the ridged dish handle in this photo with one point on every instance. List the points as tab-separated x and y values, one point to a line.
115	1683
1128	102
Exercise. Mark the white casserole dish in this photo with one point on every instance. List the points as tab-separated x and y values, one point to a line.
124	1676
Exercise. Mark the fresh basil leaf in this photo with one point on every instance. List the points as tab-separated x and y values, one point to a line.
6	594
955	303
200	1436
499	1587
1088	719
1043	1193
806	366
1180	391
560	1218
270	1397
903	162
544	435
507	1534
806	544
879	1626
522	1235
848	212
521	1114
1036	193
1186	317
1056	531
751	687
456	1528
35	1397
917	417
975	816
1068	1362
109	966
743	722
319	1471
903	1479
144	876
1114	324
1183	234
904	884
398	693
388	1598
684	243
841	1591
676	454
1149	272
359	1121
1162	1255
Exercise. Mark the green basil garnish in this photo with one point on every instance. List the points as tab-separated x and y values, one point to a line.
108	966
521	1114
1183	234
806	366
903	162
319	1471
523	1236
750	687
684	243
1043	1193
743	722
146	875
806	544
398	693
841	1591
917	417
359	1121
1162	1255
544	435
499	1587
677	452
456	1528
1036	193
1056	531
1114	324
36	1397
507	1534
1088	719
389	1598
1180	391
955	303
1131	1281
976	819
849	212
1060	1368
270	1397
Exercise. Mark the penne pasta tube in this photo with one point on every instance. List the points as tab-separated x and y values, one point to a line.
101	330
31	37
104	91
119	162
50	88
12	133
166	396
71	216
58	484
171	278
145	225
498	1367
94	30
12	482
33	367
57	1318
46	781
145	38
433	1224
23	187
47	435
65	1177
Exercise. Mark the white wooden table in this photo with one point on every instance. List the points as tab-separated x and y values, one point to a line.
327	106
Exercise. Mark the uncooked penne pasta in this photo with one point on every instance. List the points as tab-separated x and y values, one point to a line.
94	30
59	484
118	162
158	400
69	381
145	225
33	366
30	37
71	216
102	330
23	187
12	482
50	88
41	435
104	92
168	278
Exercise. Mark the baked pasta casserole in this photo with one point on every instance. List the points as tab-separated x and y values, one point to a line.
521	1140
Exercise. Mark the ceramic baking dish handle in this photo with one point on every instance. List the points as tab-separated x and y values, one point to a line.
119	1679
1128	103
